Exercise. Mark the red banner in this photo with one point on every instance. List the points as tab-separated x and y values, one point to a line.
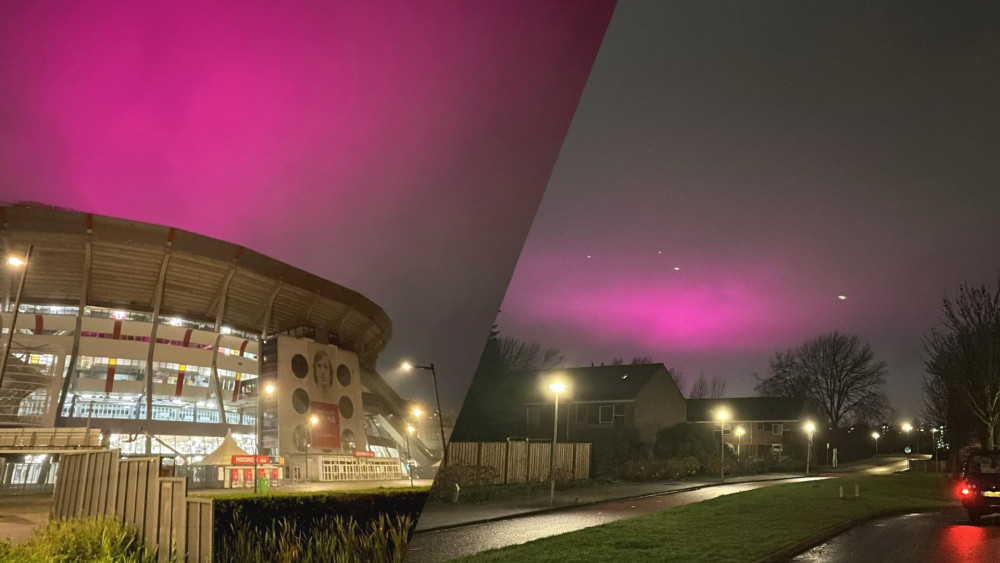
326	431
363	453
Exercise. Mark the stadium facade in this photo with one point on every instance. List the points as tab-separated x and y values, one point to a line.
166	340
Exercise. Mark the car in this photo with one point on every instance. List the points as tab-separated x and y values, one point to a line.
980	486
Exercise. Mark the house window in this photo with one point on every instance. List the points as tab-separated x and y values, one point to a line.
581	414
776	448
619	411
727	429
760	426
776	429
607	414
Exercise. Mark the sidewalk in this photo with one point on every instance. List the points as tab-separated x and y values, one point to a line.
438	515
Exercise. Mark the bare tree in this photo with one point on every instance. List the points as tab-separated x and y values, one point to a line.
679	380
963	359
700	388
636	360
714	388
717	389
517	355
836	371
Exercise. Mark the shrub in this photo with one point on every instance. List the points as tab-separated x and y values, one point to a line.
660	469
259	513
476	482
102	540
326	539
687	439
612	451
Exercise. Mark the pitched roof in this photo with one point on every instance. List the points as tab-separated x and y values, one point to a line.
595	383
223	455
747	408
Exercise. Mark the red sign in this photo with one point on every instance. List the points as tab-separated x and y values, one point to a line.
363	453
236	475
248	475
326	431
249	460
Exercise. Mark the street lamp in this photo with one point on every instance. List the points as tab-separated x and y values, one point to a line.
906	428
876	435
739	440
313	420
417	412
17	262
556	387
722	415
810	428
409	458
934	438
269	389
407	366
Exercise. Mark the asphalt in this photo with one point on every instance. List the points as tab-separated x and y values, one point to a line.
941	536
450	543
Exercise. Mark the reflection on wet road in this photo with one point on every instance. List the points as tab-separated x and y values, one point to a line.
943	536
467	540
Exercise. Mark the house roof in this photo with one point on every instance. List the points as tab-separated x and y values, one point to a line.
746	408
595	383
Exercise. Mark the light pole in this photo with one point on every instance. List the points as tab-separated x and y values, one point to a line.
269	389
906	428
313	421
810	428
739	440
876	435
933	437
556	387
722	416
22	263
409	458
407	366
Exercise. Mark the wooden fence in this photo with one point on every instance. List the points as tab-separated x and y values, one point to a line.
522	461
100	483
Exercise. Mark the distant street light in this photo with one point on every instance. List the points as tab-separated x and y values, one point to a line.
417	412
934	438
722	415
556	387
906	428
739	440
876	435
409	457
407	366
810	429
17	262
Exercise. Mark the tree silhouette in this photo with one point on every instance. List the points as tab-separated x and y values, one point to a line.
838	372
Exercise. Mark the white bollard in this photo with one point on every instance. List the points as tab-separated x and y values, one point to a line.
857	491
841	491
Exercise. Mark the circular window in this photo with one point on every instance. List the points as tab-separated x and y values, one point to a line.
344	375
347	440
346	407
301	438
300	400
300	366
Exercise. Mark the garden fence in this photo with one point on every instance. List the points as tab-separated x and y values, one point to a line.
521	461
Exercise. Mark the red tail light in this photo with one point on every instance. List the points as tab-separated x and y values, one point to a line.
964	490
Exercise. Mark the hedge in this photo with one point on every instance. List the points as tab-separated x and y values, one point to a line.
264	512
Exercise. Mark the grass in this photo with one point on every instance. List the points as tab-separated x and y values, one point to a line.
739	527
100	540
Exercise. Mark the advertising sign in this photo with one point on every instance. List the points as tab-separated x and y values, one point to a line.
364	453
326	431
249	460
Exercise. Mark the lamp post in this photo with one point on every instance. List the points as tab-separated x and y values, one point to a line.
876	435
810	429
934	438
722	416
269	389
556	387
313	421
739	440
407	366
409	458
906	428
17	262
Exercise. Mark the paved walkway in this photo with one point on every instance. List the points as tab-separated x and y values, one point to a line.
21	515
438	515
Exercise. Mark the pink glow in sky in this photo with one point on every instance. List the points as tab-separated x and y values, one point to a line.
397	148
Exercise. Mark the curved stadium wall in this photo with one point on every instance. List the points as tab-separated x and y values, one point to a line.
143	330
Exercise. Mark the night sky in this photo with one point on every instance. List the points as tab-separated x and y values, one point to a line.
780	155
397	148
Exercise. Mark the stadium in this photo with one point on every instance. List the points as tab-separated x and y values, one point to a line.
164	341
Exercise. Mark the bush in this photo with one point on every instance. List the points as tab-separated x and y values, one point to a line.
660	469
688	440
610	453
102	540
326	539
257	514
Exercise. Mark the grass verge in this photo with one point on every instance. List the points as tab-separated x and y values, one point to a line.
739	527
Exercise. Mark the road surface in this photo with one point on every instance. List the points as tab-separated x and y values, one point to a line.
468	540
943	536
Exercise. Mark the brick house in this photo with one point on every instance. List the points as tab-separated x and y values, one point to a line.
769	424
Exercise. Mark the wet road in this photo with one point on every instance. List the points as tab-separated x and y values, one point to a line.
944	536
467	540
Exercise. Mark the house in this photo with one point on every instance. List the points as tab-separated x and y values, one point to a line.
599	400
756	426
